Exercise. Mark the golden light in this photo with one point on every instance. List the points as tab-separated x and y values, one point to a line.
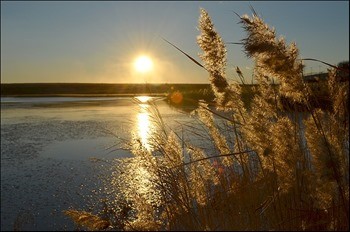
141	180
143	64
143	99
144	126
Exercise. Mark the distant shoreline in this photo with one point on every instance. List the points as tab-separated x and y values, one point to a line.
92	89
86	95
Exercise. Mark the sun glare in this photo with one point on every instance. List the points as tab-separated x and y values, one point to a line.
143	64
144	126
143	99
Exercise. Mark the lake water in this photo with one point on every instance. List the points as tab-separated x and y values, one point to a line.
46	146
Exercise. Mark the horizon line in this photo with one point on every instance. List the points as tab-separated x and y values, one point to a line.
166	83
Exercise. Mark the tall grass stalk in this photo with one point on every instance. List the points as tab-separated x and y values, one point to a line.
271	167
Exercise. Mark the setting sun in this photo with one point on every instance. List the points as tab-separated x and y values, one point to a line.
143	64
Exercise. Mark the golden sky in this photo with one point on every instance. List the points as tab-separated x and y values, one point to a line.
98	42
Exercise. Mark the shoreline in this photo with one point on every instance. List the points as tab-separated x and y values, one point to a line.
91	89
87	95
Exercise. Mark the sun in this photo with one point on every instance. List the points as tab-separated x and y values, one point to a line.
143	64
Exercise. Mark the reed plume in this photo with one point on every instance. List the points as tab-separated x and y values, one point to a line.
271	167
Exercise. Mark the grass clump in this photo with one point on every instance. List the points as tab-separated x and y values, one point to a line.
88	220
271	167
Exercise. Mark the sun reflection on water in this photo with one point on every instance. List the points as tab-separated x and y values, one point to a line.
144	126
143	99
139	178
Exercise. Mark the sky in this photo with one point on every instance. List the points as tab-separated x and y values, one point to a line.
98	42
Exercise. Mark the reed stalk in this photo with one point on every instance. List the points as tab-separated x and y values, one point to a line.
270	167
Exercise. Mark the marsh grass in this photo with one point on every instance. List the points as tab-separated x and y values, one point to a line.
269	167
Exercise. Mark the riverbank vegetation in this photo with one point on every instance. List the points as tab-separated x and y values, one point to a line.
271	167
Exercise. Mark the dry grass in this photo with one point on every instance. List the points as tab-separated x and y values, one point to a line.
88	220
270	168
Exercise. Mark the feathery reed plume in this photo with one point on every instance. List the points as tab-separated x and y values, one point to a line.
88	220
271	167
214	56
275	58
220	142
329	148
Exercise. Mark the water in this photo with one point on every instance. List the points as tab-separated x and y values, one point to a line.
46	146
